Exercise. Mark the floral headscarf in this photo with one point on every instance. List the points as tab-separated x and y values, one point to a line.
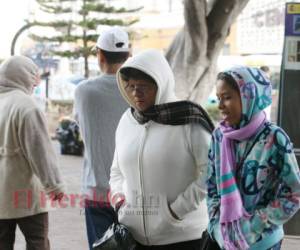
255	89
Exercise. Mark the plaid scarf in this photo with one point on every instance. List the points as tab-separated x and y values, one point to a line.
175	113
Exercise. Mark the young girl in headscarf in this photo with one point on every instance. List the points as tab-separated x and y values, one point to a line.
253	176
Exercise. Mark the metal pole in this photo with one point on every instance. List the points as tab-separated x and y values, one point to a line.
45	76
20	31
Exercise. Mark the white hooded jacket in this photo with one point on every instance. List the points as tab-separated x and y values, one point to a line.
157	165
28	164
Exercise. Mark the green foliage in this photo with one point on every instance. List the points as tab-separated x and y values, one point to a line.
99	7
54	24
76	22
53	6
92	24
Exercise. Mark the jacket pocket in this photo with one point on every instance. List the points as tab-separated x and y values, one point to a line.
167	213
164	222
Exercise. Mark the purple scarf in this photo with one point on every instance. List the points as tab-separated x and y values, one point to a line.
232	209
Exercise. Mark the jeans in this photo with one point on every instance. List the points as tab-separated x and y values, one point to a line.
98	216
186	245
34	229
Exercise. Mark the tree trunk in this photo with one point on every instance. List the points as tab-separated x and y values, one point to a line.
194	51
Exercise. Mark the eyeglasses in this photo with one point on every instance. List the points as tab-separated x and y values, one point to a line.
141	88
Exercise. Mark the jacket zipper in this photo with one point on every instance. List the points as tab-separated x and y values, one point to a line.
141	180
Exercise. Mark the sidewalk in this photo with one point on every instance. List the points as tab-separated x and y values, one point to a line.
67	225
291	243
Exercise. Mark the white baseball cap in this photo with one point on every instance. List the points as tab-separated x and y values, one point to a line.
113	39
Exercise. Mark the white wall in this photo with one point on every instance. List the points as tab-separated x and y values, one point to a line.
260	27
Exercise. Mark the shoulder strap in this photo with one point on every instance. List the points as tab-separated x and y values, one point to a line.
251	147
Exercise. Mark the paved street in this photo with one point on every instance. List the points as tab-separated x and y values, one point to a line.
67	228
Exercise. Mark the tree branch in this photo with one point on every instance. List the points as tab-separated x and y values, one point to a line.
219	21
100	7
195	29
60	39
92	24
210	6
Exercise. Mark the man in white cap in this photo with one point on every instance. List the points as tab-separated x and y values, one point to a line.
98	108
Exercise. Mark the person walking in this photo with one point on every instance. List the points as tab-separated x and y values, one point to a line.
98	107
28	163
253	176
158	173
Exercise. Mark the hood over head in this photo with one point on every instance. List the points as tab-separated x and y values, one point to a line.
18	72
255	90
153	63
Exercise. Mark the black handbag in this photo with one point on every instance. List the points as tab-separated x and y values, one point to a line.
116	237
207	243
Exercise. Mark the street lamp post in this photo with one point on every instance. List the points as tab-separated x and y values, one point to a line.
46	74
20	31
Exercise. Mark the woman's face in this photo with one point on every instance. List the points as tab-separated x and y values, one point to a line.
142	93
230	104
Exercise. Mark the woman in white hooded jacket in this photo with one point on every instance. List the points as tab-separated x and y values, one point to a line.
160	158
28	164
